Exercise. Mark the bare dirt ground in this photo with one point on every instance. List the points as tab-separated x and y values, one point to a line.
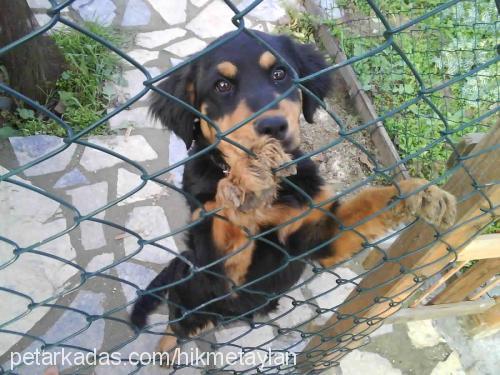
344	163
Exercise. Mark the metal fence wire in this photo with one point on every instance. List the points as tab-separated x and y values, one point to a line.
458	93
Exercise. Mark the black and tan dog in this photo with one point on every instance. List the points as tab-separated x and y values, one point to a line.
241	269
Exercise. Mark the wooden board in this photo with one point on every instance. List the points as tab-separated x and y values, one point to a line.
457	267
485	289
483	247
381	292
472	279
440	311
484	324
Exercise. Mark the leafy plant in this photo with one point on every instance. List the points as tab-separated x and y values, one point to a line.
301	26
439	48
80	91
493	227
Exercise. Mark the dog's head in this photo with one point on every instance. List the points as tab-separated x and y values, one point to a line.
234	81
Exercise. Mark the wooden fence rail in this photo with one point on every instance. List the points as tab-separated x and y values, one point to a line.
476	186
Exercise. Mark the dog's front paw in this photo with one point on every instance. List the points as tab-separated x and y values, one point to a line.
432	204
270	154
229	194
251	183
235	195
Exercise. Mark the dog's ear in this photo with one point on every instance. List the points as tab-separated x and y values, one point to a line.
173	115
310	61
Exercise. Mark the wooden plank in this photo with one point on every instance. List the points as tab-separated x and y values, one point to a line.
466	145
440	282
361	101
371	261
484	324
381	292
483	247
493	284
440	311
472	279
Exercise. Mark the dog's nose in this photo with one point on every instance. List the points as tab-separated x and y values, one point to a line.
275	127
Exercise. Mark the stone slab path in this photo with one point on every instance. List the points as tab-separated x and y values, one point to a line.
164	33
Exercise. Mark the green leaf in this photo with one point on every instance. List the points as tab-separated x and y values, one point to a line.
26	114
65	97
7	132
109	90
68	99
409	89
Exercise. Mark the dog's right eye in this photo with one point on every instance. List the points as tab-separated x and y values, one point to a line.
223	86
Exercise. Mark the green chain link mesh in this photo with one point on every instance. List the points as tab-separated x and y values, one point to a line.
457	93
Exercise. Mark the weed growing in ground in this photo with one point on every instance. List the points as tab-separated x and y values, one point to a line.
80	93
439	48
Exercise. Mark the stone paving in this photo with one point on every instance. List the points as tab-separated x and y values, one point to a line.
164	33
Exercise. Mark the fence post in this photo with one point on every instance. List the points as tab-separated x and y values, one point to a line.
472	279
452	271
381	292
484	324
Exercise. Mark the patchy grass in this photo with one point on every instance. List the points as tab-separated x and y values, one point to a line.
81	95
301	26
439	48
493	227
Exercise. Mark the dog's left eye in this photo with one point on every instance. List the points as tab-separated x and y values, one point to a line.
278	74
223	86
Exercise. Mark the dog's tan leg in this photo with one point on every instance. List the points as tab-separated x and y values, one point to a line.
432	204
243	195
168	347
232	239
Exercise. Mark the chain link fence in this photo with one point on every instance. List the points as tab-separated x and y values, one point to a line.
431	69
